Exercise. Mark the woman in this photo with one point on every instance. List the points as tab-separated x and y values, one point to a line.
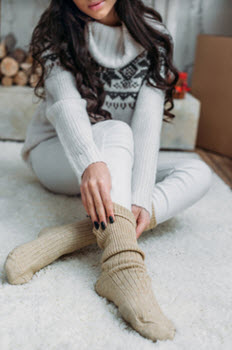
107	73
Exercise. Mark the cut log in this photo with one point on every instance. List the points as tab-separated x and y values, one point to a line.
7	81
34	78
19	55
26	67
29	58
20	78
3	50
38	70
9	66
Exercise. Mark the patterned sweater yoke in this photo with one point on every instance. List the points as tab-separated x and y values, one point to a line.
122	75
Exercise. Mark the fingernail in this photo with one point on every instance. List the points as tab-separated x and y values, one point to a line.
96	224
103	225
111	219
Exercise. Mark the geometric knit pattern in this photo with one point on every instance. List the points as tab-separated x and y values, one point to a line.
122	85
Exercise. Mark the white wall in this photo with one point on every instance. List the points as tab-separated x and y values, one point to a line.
184	18
199	16
19	17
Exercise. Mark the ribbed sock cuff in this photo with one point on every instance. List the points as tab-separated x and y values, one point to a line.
119	236
122	211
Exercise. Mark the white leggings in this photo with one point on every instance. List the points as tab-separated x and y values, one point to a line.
178	184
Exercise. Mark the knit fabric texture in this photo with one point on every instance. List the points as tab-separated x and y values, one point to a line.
52	242
122	67
124	279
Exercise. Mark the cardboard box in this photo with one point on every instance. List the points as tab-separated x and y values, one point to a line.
212	85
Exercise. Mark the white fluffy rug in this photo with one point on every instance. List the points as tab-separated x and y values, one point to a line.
188	257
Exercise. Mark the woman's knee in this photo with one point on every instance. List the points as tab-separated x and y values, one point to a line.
115	133
52	168
207	173
201	173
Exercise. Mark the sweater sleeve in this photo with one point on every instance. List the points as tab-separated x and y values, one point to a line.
66	110
146	125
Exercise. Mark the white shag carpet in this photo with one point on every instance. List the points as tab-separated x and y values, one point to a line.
188	257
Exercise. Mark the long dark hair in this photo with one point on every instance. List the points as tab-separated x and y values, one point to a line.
61	30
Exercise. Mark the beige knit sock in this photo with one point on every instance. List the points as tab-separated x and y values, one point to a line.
124	279
52	242
20	263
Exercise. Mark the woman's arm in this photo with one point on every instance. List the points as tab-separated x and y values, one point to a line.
146	126
66	110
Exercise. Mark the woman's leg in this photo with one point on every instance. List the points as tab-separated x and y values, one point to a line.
175	179
114	139
179	184
124	279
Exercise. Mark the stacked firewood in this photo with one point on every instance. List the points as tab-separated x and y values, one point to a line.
16	64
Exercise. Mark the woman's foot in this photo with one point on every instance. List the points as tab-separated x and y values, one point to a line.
124	279
52	242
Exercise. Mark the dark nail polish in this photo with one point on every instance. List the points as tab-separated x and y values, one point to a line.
103	225
111	219
96	224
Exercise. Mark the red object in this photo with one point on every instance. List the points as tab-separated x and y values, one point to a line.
183	75
181	86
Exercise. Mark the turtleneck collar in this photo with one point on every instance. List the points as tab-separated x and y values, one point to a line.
111	46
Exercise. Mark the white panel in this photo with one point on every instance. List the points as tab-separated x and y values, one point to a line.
161	7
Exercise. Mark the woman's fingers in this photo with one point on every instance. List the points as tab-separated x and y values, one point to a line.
88	202
142	223
91	207
136	211
107	202
83	198
98	203
96	186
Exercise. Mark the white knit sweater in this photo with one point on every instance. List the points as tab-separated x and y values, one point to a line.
123	68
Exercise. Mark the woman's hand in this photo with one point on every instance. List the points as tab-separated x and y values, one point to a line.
95	193
142	217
